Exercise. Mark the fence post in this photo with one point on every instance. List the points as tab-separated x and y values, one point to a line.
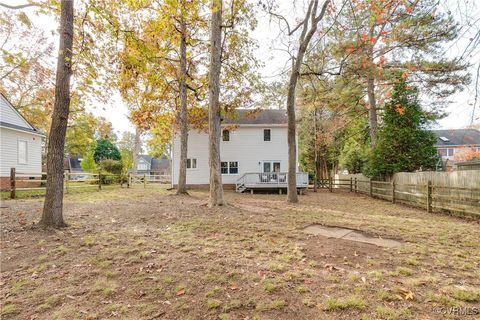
393	191
13	183
355	185
351	184
65	180
371	188
144	180
128	180
99	180
330	183
429	196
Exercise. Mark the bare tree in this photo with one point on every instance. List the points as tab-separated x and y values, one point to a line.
214	125
307	27
53	205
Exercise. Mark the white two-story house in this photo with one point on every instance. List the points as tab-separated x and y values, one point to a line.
253	152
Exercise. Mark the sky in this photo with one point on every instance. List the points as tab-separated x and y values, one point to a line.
459	108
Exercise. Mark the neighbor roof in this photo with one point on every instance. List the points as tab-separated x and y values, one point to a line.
457	137
257	116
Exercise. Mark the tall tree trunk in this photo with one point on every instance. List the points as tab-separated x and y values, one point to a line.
182	175
292	136
372	109
315	147
53	205
136	149
214	125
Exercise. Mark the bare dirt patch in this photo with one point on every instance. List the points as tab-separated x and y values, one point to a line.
147	254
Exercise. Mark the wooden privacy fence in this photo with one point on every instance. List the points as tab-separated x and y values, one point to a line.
25	182
461	200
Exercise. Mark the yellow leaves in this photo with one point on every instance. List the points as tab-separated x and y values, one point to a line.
407	294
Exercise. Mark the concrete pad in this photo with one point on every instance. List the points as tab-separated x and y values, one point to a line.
349	234
359	237
330	232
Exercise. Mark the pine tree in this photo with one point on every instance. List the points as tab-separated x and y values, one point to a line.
404	143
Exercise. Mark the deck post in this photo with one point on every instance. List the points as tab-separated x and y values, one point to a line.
279	190
251	191
429	196
13	183
393	191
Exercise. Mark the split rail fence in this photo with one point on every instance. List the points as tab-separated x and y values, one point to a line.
35	184
458	200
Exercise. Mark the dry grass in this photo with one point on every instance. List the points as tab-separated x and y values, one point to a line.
147	254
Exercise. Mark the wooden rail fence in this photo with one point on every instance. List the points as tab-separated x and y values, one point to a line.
464	201
25	182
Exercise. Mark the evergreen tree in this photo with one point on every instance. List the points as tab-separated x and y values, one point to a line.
404	143
356	145
106	150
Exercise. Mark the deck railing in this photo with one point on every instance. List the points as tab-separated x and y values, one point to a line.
269	179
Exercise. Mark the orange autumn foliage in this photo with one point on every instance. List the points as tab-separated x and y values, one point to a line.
467	154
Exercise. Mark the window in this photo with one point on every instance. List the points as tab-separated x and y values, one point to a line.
450	152
142	166
225	135
22	152
229	167
233	167
444	139
266	134
191	163
442	152
271	166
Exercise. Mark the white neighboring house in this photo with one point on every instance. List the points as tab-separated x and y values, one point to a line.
20	144
253	153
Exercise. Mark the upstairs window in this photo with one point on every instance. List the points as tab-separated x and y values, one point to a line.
191	163
267	135
22	152
225	135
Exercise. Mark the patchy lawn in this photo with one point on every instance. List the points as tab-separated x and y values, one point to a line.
147	254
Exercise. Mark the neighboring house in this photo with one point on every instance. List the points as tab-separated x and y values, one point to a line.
20	145
253	153
73	164
452	141
149	165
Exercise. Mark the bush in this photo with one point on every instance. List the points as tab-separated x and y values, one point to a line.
111	166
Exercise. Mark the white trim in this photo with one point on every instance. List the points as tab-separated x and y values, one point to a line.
19	130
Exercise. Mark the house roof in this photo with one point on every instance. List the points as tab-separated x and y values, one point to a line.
257	116
27	126
457	137
145	157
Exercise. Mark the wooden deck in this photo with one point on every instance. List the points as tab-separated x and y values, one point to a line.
268	181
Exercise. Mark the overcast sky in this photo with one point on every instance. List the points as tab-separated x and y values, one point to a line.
460	110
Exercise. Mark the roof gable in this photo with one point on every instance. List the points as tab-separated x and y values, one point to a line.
10	117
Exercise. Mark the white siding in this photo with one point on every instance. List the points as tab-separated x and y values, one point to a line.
9	115
246	146
9	152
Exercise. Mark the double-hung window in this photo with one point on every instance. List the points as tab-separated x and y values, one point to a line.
267	135
191	163
229	167
225	135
